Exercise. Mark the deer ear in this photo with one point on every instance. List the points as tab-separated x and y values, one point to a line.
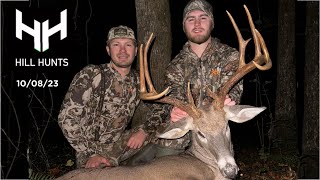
177	129
242	113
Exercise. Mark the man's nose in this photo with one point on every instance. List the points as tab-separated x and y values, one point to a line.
123	49
197	22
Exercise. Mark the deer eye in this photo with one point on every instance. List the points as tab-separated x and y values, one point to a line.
202	137
201	134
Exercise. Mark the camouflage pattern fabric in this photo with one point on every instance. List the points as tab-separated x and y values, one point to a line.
201	5
90	133
217	63
121	32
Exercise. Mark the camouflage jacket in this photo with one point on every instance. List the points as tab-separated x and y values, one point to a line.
86	126
217	63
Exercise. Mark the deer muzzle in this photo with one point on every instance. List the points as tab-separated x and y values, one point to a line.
230	171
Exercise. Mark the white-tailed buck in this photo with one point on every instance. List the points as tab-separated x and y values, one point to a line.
211	153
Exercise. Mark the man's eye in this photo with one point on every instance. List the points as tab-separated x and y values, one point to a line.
190	20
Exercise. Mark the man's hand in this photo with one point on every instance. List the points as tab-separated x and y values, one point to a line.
228	101
136	140
97	161
177	114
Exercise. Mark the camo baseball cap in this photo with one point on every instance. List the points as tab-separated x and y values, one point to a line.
121	32
201	5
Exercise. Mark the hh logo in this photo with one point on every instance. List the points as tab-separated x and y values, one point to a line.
43	45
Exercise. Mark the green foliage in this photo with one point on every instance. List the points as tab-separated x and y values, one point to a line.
39	175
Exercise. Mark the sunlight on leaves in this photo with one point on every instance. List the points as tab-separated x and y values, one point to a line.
69	163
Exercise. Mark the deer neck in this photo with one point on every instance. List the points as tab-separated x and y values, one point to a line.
208	159
216	153
197	151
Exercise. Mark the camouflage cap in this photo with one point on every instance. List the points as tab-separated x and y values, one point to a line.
121	32
201	5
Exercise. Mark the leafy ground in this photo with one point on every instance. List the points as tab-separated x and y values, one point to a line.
265	167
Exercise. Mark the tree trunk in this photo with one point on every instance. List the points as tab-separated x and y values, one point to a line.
153	16
284	132
309	163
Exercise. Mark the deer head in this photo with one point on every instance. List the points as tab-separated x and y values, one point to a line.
211	139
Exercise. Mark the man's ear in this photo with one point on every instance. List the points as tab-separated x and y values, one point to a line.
108	50
135	54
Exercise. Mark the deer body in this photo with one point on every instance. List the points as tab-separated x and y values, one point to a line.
168	167
209	157
211	153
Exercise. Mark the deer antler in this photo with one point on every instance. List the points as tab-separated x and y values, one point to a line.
189	107
257	62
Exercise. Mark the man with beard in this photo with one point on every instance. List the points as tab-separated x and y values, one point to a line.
100	103
205	62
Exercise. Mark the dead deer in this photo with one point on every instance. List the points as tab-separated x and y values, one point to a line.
211	153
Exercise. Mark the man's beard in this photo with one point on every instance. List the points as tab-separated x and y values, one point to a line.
123	64
198	39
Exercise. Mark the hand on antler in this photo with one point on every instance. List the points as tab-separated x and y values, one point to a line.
228	101
177	114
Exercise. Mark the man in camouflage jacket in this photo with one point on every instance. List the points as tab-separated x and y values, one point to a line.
204	62
100	103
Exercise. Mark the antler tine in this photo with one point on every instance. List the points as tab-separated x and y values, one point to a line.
243	68
254	34
145	59
143	89
242	43
144	76
190	108
258	40
267	60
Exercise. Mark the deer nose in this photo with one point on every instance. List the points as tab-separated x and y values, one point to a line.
230	171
